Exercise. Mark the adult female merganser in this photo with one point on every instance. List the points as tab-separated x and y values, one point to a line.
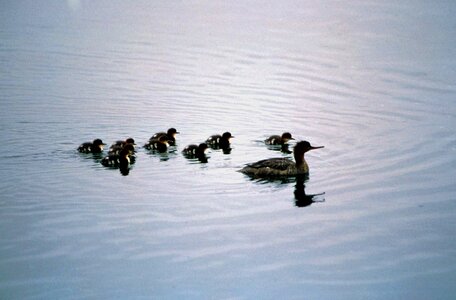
170	134
279	140
218	141
160	144
92	147
282	166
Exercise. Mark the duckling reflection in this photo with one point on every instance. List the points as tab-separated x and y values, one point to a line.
301	198
124	170
281	148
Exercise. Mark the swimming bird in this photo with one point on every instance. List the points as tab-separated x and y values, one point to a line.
116	147
218	141
121	160
281	166
279	140
160	144
194	151
171	134
92	147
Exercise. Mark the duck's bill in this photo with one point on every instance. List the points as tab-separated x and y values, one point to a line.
316	147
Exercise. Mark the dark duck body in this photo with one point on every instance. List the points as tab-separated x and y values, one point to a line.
218	141
160	144
122	160
278	140
92	147
281	166
196	151
170	134
119	145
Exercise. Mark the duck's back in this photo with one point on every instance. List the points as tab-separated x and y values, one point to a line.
270	167
214	140
274	163
273	140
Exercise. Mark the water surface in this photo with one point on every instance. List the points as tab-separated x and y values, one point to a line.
372	82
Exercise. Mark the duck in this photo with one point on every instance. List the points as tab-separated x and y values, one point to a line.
122	160
171	134
96	146
160	144
218	141
282	166
117	146
118	150
278	140
195	151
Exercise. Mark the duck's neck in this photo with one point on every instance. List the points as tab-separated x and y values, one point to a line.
301	163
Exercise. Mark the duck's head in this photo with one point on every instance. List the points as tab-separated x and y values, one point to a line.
98	142
130	141
304	146
129	148
172	132
286	136
203	147
126	152
227	135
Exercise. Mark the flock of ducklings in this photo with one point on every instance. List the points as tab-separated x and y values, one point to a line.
121	154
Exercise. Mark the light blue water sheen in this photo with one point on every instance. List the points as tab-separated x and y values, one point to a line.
373	81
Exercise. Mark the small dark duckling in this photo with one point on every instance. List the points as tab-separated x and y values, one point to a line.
279	140
118	150
123	143
121	160
160	144
96	146
170	134
119	145
281	166
218	141
194	151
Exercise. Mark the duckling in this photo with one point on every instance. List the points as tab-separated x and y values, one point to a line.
121	160
96	146
218	141
171	134
161	144
194	151
279	140
119	145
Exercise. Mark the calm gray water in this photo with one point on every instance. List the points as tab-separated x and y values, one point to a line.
372	81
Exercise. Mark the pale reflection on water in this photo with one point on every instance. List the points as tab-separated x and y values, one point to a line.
373	82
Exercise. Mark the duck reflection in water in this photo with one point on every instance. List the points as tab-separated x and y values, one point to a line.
301	198
285	148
